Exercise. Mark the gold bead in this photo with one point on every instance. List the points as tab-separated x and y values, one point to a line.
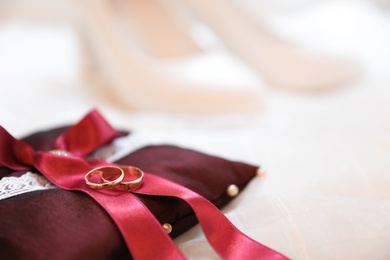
232	190
167	227
260	172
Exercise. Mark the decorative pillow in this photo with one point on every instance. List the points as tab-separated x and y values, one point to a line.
59	224
53	223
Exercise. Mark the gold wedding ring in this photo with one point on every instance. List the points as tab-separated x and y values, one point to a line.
109	171
126	178
135	175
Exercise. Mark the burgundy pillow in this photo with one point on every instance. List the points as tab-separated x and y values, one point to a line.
59	224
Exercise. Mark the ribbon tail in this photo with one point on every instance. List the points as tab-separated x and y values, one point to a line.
224	237
144	235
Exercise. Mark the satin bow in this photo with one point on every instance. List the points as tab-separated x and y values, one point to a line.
144	235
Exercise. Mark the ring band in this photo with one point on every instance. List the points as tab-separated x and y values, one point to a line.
109	171
128	171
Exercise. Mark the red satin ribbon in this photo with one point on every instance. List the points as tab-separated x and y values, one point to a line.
144	235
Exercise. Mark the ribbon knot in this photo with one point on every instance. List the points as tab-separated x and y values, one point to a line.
144	236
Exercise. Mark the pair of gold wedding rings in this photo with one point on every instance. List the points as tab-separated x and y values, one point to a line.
122	177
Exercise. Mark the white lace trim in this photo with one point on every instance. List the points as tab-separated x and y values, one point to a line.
13	186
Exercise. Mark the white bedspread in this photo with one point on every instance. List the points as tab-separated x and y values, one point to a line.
326	194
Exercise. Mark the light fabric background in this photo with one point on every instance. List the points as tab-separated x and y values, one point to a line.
326	194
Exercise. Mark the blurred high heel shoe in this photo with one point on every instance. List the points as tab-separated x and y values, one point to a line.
279	63
137	80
